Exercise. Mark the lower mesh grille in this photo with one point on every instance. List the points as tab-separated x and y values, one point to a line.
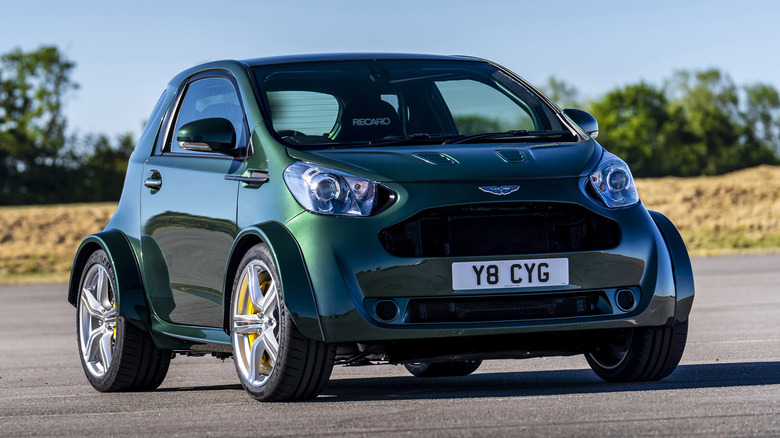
507	308
500	229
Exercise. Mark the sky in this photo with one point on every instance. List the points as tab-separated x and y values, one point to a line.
125	52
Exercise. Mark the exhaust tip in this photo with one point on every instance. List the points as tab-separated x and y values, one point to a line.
386	310
625	300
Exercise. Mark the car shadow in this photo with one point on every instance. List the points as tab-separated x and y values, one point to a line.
540	383
528	383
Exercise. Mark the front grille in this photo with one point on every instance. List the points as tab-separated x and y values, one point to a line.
507	308
500	229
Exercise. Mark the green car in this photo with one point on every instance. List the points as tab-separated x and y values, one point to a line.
299	212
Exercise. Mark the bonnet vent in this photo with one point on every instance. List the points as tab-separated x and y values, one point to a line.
511	155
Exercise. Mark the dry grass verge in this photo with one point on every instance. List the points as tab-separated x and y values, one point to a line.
37	243
734	213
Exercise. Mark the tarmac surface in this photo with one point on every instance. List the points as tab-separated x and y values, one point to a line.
728	383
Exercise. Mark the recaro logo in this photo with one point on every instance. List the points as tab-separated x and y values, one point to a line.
371	122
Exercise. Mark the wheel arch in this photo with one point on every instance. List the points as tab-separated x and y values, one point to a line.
297	291
130	296
681	266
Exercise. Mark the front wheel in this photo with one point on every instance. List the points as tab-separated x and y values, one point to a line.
274	361
115	355
640	354
443	369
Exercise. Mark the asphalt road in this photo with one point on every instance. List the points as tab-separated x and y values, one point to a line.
728	383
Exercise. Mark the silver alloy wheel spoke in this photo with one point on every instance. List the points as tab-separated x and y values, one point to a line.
90	350
256	356
255	334
255	292
97	321
269	301
271	345
92	305
105	348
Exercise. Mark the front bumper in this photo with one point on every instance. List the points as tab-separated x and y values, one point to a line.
351	279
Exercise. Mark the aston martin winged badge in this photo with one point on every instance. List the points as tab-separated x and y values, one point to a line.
499	190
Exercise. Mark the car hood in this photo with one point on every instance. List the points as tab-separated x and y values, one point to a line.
493	161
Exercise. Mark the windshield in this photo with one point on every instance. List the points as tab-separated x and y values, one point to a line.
349	103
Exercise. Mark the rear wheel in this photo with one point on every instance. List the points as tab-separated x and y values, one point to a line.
274	361
641	354
443	369
115	355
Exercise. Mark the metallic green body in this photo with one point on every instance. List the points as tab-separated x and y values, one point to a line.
175	249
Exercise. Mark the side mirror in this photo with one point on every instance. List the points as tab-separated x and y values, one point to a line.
584	120
208	135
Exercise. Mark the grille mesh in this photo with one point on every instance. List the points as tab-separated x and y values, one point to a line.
500	229
506	308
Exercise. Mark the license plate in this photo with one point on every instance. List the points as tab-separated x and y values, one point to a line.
510	274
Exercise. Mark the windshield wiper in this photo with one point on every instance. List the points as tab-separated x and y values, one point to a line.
511	134
411	138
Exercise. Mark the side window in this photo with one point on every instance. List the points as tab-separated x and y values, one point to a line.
306	112
477	108
208	98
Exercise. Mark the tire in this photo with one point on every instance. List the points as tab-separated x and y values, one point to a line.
115	355
274	361
443	369
639	355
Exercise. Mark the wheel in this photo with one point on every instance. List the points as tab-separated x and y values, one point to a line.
641	354
274	361
115	355
443	369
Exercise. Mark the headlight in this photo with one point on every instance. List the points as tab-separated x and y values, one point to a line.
613	182
327	191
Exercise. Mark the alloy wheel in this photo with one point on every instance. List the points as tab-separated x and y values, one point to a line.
255	331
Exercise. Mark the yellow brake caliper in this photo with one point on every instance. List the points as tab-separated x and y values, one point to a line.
250	309
114	338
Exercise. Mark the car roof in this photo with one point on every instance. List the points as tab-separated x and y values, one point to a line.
292	59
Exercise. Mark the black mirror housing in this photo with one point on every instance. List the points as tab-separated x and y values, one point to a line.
584	120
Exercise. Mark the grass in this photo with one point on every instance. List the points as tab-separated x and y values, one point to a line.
730	214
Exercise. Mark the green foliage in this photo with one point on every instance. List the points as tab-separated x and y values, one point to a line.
474	124
564	95
700	123
39	163
33	87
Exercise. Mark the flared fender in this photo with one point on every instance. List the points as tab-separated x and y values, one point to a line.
130	298
681	264
297	292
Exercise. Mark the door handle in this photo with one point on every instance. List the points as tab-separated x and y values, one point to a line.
154	182
250	178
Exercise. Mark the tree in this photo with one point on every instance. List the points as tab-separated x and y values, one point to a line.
631	122
102	171
564	95
699	123
762	114
33	88
709	99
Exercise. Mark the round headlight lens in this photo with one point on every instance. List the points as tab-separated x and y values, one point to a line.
326	188
618	179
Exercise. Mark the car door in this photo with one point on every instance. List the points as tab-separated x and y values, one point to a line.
188	208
